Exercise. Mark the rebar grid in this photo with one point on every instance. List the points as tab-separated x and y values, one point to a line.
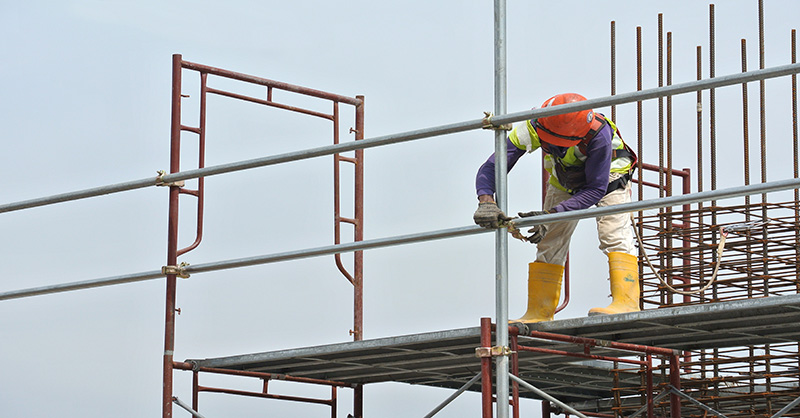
725	383
692	245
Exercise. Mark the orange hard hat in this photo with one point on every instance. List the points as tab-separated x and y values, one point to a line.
568	129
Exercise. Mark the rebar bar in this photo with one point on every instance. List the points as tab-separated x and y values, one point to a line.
613	68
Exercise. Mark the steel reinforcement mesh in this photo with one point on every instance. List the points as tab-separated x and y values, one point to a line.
760	258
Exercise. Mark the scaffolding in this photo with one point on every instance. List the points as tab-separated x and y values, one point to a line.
752	301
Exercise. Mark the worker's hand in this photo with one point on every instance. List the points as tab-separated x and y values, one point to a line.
489	215
537	232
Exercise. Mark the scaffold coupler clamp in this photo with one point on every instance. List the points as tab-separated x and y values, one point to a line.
486	123
483	352
160	180
179	270
522	328
195	366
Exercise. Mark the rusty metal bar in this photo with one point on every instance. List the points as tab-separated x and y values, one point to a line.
795	152
660	106
638	348
712	110
172	238
579	355
675	381
268	83
328	402
269	103
358	256
613	68
260	375
200	192
700	218
195	390
668	156
639	143
486	369
337	217
649	387
745	118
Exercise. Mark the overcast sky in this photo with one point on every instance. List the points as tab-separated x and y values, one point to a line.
86	102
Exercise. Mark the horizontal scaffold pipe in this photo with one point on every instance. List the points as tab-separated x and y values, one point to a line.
419	237
411	136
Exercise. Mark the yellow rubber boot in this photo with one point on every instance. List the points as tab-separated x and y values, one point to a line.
623	270
544	290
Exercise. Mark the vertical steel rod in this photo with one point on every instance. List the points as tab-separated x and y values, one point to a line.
668	158
515	371
712	101
712	114
358	256
501	236
795	153
669	120
196	390
661	113
764	231
172	237
639	143
649	380
763	137
613	68
675	380
486	369
745	125
746	155
700	217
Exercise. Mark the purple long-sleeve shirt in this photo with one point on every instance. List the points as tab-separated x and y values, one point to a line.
596	167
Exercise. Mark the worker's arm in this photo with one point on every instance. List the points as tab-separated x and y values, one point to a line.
484	181
488	215
597	168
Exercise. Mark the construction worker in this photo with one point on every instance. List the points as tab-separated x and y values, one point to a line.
589	165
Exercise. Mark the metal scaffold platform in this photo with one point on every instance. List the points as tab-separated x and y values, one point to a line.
448	358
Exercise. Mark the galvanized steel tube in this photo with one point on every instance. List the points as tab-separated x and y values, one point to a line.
544	395
421	237
497	120
501	185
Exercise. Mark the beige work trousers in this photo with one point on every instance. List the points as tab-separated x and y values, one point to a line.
613	231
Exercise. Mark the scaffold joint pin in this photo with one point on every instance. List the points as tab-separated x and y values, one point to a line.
179	270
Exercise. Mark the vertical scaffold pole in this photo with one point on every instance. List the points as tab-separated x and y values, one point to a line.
358	257
172	236
501	237
486	369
